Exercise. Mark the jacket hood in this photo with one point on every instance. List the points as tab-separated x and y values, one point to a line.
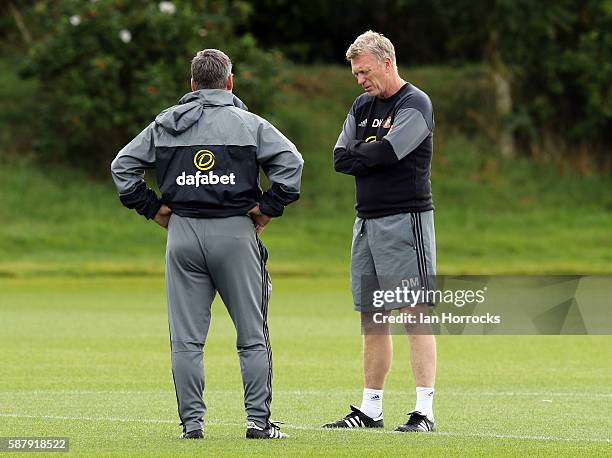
190	108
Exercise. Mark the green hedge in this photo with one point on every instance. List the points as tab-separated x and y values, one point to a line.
105	68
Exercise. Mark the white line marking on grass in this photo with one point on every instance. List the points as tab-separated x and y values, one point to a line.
111	419
531	438
90	392
523	393
440	392
310	428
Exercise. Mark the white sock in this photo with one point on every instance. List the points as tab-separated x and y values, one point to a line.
424	401
371	403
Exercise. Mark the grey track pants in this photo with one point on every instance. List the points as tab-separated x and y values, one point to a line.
204	256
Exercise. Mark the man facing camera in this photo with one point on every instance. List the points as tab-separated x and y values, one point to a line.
386	144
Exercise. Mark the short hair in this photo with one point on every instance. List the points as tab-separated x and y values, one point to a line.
374	43
210	69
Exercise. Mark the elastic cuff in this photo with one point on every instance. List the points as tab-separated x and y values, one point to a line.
270	207
154	207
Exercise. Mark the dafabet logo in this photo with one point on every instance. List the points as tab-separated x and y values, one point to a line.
204	160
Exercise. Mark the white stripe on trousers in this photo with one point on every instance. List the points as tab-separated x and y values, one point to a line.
417	232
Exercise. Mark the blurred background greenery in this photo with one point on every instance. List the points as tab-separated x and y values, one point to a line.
521	93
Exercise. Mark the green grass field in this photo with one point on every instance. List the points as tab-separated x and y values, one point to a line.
84	346
492	215
88	359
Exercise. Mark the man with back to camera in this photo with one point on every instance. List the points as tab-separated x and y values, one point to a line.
207	151
386	144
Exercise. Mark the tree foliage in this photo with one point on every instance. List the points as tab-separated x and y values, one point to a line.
311	31
105	68
559	57
555	55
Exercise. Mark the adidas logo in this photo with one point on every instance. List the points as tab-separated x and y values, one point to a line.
363	123
375	398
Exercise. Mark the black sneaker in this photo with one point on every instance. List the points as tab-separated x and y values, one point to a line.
417	423
272	431
195	434
356	419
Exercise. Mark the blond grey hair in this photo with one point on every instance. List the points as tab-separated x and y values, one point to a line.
375	43
210	69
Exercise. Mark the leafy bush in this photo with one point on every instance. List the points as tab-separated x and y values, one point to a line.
107	67
559	54
554	57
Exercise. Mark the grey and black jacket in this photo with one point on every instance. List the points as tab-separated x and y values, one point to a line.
387	145
206	152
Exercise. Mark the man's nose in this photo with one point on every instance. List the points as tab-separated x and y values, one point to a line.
360	80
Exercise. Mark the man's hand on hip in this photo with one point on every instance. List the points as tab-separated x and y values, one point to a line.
162	217
259	218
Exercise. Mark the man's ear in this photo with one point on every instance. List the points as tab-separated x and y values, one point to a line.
388	64
229	85
193	85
